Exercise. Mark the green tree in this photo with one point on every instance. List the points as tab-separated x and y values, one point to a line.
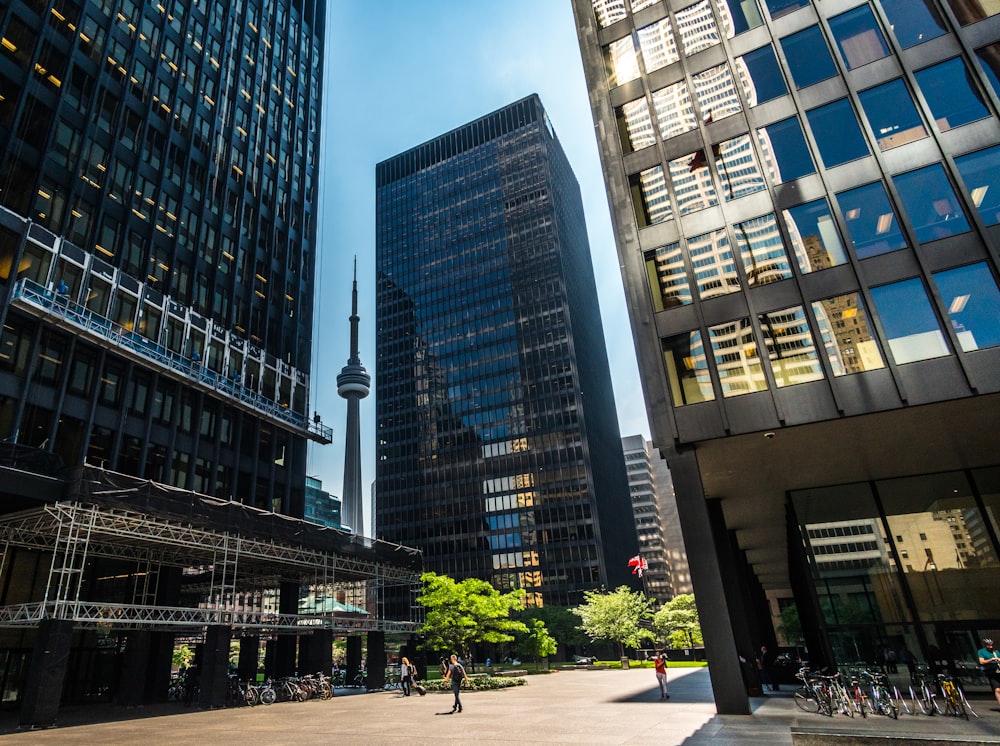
537	642
460	614
677	620
616	616
183	655
560	622
790	627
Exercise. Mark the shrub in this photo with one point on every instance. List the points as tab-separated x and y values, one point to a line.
475	684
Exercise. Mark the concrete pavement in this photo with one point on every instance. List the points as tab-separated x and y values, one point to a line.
573	707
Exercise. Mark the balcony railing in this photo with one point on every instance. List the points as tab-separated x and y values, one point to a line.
48	305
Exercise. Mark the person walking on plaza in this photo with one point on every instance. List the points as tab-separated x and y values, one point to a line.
990	662
406	672
660	664
456	675
766	665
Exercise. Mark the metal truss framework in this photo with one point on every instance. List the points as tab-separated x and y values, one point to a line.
234	565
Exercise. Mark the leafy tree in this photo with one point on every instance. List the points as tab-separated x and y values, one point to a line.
182	656
460	614
677	620
538	643
616	616
560	622
790	627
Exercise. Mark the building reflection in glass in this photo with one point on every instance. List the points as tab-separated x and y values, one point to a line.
650	197
713	264
737	358
687	369
692	181
658	46
790	347
847	334
762	251
813	235
668	281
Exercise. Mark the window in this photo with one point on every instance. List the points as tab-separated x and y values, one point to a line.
913	22
836	132
658	46
778	8
687	369
668	281
858	37
930	202
847	334
813	235
697	27
674	110
634	125
692	181
608	11
649	197
786	155
759	73
908	319
891	114
953	98
871	222
743	15
621	61
808	57
973	302
716	93
713	264
790	347
737	359
738	167
970	11
981	174
989	61
762	251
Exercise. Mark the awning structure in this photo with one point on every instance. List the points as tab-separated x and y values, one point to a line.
232	557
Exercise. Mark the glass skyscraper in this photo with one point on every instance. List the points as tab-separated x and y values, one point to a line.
498	444
804	196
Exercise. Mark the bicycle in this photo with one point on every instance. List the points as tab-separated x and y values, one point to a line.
814	694
881	699
267	694
859	698
954	700
923	696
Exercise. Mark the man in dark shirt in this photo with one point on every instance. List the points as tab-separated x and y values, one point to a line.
456	675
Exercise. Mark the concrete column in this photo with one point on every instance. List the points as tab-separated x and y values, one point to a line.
714	607
132	683
214	666
47	672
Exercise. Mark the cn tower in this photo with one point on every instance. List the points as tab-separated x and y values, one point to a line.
353	384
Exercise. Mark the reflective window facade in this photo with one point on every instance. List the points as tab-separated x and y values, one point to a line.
489	456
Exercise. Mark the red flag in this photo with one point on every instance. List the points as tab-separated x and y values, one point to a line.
638	564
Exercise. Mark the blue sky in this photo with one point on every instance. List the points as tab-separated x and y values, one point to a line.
400	73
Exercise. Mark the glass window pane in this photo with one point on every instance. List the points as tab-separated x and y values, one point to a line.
638	5
973	301
736	358
989	61
713	264
784	150
739	16
858	36
908	320
635	128
931	204
813	235
951	94
649	197
847	334
981	174
762	251
658	46
837	134
913	21
892	115
970	11
674	110
759	73
808	58
667	276
692	180
716	94
608	11
697	27
738	167
687	369
621	61
778	8
790	347
872	224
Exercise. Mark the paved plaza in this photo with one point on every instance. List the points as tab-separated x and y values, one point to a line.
576	706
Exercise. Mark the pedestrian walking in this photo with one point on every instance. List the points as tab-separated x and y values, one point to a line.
406	674
660	665
456	675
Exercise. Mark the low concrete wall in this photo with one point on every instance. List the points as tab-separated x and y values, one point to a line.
818	737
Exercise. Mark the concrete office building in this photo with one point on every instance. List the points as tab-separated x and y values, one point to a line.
157	248
499	453
805	202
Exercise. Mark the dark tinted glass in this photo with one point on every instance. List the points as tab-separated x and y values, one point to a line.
808	57
913	21
761	76
951	94
785	143
981	174
973	302
892	115
743	15
778	8
871	222
858	36
837	133
930	202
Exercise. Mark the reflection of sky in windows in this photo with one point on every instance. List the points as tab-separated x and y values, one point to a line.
892	115
981	174
836	132
814	238
858	36
930	202
778	8
786	155
808	57
739	16
871	221
951	94
760	75
909	321
973	302
913	21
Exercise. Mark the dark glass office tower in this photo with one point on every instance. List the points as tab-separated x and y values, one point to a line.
157	238
805	201
498	445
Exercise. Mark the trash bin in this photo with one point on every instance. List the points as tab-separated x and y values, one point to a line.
624	660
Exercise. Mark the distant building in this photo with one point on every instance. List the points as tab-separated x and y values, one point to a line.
499	453
321	506
657	580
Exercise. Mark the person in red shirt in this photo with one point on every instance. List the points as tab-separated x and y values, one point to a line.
660	664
